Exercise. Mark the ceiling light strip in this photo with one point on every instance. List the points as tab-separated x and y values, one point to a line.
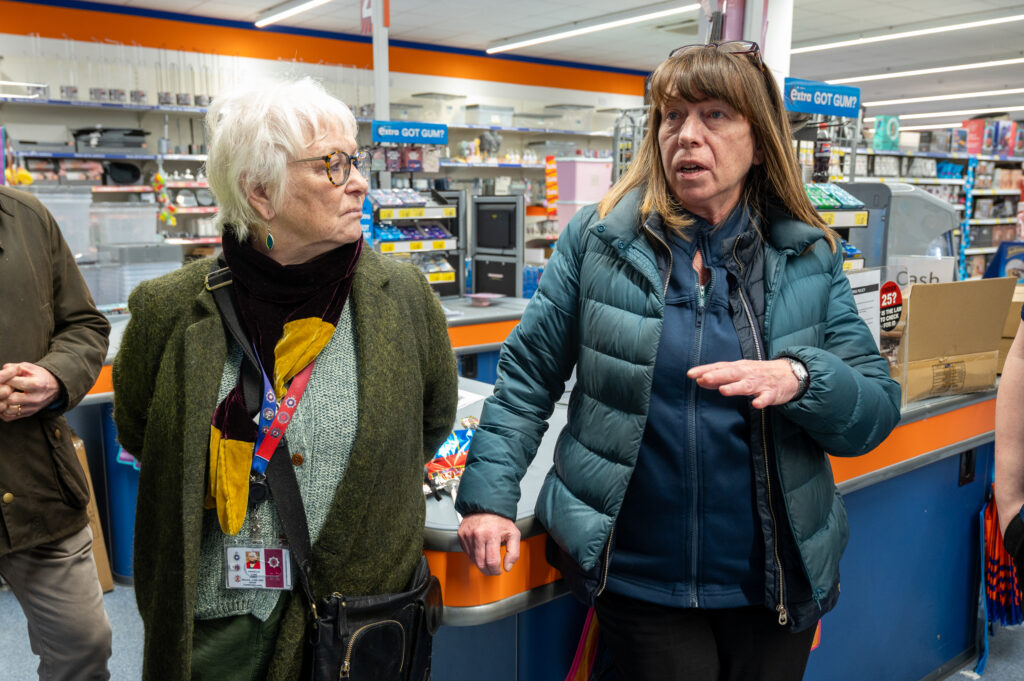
930	126
962	112
943	98
907	34
926	72
288	10
578	30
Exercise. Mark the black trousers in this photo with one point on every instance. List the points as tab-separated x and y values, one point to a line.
651	642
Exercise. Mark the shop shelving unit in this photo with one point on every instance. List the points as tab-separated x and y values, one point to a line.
448	207
970	192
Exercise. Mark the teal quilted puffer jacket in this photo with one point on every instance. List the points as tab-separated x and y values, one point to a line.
599	308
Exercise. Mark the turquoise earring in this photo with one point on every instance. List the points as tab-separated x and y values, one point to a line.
270	241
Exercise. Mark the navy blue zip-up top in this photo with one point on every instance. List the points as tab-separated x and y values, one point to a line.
687	534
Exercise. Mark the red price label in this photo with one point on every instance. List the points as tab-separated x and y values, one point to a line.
890	305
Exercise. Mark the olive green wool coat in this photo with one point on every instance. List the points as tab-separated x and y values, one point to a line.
166	377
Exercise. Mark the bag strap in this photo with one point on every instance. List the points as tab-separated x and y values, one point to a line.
217	282
284	487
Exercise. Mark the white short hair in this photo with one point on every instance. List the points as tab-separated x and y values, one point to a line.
254	132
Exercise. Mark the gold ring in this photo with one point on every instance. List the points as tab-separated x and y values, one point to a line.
19	411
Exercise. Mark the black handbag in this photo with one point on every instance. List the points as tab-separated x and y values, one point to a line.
377	638
384	637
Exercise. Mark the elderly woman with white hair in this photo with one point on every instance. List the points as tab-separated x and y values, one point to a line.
366	333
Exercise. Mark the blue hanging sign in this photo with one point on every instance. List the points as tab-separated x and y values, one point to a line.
810	96
407	132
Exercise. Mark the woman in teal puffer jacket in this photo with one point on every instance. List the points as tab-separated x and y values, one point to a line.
719	355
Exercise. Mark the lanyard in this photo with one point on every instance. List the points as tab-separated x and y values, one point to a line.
274	420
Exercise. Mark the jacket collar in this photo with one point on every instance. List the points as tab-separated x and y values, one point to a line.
788	235
621	222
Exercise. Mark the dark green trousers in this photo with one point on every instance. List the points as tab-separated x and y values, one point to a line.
235	648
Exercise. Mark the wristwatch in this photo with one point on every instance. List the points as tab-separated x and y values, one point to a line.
800	371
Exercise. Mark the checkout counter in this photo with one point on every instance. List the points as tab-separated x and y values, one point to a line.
910	576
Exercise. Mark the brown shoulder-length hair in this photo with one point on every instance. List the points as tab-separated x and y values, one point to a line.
740	81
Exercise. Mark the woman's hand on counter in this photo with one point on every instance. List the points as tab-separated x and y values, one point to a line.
768	382
481	536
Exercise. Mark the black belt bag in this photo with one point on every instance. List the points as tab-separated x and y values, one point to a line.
377	638
386	637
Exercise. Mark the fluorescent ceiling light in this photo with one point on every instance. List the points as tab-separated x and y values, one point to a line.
15	83
926	72
942	98
931	126
962	112
577	28
907	34
288	9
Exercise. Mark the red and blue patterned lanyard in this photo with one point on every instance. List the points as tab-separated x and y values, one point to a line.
274	420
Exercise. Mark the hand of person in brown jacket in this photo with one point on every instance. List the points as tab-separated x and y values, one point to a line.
25	388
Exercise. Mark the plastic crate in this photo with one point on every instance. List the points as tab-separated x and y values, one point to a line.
123	224
71	211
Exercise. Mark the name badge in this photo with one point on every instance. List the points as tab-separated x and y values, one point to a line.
258	567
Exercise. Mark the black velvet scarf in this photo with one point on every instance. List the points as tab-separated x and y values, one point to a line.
289	313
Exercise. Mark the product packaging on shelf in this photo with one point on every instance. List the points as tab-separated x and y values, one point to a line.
393	159
947	339
887	134
981	135
958	141
412	158
1006	133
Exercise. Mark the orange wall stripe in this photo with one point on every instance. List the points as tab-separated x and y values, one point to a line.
479	334
920	437
105	381
86	25
463	585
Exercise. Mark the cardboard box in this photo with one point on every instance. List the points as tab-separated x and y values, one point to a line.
1004	350
99	547
949	344
1013	314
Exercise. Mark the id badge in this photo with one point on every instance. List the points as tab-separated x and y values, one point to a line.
258	567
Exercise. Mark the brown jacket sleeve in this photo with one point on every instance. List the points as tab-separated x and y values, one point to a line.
81	333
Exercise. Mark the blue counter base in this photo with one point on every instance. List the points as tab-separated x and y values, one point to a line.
536	645
910	578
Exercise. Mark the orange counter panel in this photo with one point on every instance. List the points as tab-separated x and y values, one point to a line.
463	585
920	437
480	334
105	381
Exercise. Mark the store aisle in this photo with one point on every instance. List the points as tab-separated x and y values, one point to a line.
19	664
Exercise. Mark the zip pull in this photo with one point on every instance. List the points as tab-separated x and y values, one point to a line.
783	615
345	670
700	292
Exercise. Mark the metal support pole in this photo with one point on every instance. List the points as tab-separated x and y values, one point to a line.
381	86
854	143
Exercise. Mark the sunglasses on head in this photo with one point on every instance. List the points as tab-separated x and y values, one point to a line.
730	46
